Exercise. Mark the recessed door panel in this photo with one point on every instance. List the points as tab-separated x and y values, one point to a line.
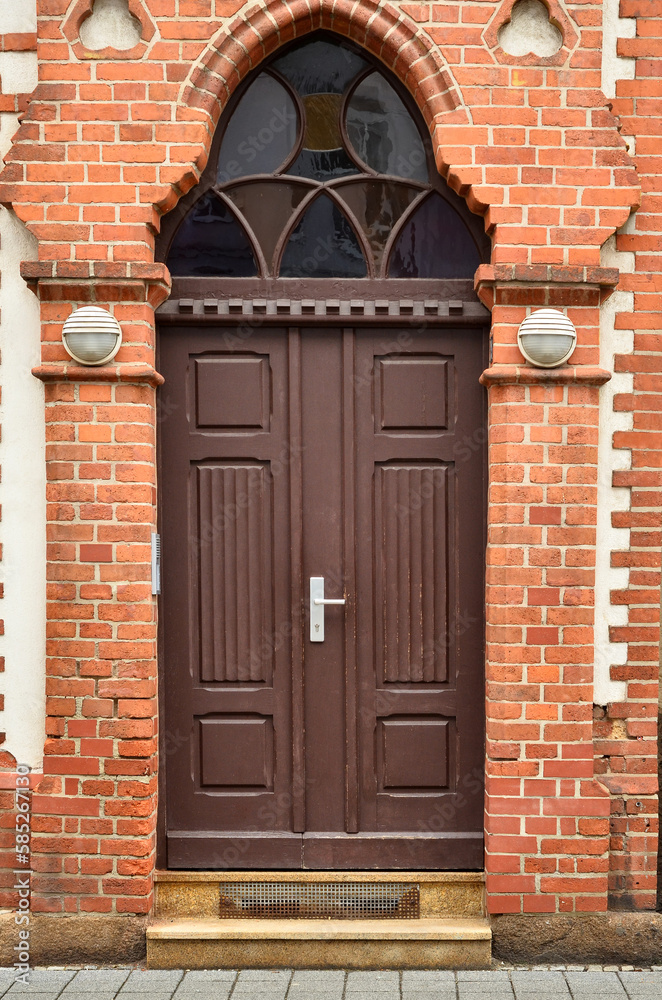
412	564
413	754
413	393
236	752
234	505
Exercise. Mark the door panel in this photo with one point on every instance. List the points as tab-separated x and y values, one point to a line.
226	615
344	454
419	553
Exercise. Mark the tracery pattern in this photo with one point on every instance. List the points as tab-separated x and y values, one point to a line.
322	171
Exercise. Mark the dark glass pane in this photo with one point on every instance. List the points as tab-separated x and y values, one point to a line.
261	133
434	243
377	206
323	245
323	164
267	207
320	67
383	133
210	241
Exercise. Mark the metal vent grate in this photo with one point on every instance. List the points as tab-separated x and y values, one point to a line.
320	900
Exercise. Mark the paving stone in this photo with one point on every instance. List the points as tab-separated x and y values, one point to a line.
358	982
319	978
442	993
95	995
7	977
218	982
476	987
13	991
605	981
153	981
543	994
392	994
641	983
219	988
428	980
264	976
220	991
278	990
208	976
474	990
597	990
313	993
45	981
91	980
261	990
534	981
526	987
596	993
481	975
157	993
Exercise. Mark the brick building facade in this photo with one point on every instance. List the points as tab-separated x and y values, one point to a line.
559	155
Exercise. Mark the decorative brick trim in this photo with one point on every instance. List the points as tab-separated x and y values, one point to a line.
80	13
557	16
105	373
524	375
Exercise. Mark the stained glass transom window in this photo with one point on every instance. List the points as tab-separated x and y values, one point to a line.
321	170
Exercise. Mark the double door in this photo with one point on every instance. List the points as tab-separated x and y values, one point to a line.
354	455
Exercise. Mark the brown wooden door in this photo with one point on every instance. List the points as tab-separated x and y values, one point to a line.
356	455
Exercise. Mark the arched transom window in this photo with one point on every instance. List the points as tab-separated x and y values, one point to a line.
320	169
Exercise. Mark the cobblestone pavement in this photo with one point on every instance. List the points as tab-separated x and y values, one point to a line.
555	983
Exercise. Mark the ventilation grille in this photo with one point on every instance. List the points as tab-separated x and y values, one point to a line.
320	900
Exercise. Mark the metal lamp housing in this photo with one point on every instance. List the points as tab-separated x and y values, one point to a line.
91	336
547	338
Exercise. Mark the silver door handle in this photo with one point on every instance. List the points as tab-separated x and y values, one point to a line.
317	602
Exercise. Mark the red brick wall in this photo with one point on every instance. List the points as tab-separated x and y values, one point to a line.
106	146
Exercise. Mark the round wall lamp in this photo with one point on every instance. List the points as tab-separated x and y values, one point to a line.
91	335
547	338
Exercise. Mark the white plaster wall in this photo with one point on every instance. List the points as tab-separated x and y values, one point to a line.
612	342
18	15
615	67
23	483
611	498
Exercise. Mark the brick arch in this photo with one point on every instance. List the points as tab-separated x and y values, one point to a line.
240	46
552	183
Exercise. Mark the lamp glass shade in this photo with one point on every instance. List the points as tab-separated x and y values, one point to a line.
547	338
547	349
91	336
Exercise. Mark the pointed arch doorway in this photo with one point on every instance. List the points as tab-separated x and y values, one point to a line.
322	436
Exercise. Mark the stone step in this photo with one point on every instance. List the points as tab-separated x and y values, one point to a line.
213	943
442	894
